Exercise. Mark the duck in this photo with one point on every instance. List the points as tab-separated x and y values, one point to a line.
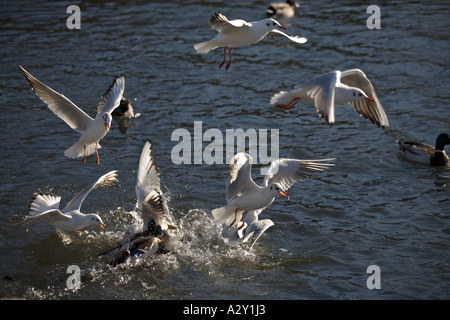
125	109
282	9
155	232
424	153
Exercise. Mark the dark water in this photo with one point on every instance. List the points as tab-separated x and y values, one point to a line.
372	208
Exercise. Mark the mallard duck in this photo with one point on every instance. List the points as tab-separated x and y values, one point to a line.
125	109
282	9
424	153
156	216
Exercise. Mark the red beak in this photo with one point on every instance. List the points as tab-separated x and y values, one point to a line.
370	99
284	194
281	27
107	127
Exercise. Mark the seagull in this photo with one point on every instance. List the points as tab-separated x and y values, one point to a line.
45	208
424	153
337	87
156	216
91	130
245	196
233	33
284	9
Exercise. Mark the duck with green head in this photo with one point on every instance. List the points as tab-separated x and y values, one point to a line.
424	153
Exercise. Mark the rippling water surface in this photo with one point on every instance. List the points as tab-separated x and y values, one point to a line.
372	208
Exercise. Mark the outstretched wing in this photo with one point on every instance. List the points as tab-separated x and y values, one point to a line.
322	91
220	23
111	99
286	172
49	216
150	199
371	110
106	180
255	229
275	33
241	176
65	109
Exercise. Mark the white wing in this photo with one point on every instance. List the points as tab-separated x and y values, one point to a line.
111	99
286	172
220	23
76	118
106	180
371	110
49	216
241	176
256	229
150	199
322	90
276	33
43	202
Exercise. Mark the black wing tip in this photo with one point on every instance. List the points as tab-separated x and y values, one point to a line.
216	17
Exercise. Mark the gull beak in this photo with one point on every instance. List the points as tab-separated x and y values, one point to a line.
370	99
107	127
282	27
284	194
102	225
171	227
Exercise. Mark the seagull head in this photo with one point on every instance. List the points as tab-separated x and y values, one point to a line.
107	121
273	24
277	190
94	219
358	94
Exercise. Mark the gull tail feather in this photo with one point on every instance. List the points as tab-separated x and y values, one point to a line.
280	96
77	150
205	47
224	214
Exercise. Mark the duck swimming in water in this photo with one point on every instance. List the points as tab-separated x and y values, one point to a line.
424	153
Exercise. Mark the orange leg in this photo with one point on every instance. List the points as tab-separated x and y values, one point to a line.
84	154
224	57
97	159
229	62
243	223
235	217
289	105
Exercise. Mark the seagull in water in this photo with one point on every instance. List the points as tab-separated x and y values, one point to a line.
246	200
91	130
337	87
424	153
156	216
45	208
233	33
